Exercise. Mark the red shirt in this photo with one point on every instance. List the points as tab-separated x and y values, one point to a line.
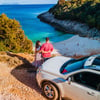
46	47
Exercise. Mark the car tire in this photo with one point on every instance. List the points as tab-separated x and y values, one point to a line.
50	91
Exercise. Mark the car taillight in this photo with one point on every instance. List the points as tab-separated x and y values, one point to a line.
64	71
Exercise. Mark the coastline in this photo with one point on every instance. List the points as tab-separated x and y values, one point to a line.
86	41
71	27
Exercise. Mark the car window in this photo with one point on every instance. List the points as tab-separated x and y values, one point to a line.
96	61
74	65
71	62
90	80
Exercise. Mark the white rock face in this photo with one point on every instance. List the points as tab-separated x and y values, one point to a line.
71	26
77	46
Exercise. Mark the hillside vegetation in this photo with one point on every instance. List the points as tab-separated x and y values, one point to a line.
84	11
12	37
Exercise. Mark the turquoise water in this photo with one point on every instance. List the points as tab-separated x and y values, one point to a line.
34	29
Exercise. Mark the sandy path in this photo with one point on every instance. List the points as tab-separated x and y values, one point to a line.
18	84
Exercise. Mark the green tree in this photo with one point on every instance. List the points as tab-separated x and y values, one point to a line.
12	37
84	11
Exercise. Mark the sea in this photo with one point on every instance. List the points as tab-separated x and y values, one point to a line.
34	29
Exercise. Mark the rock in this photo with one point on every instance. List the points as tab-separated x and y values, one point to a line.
68	26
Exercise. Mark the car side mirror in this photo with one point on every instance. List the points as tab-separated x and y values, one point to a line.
69	80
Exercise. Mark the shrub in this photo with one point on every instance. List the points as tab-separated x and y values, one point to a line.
12	37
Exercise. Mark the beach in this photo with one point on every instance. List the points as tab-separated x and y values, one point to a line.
77	47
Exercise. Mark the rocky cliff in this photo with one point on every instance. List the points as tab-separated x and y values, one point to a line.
69	26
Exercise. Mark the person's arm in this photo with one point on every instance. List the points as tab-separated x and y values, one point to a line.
39	51
35	53
46	51
42	49
52	48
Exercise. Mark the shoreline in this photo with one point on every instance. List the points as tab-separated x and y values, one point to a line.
71	27
86	41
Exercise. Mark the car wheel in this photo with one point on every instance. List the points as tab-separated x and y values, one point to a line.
50	91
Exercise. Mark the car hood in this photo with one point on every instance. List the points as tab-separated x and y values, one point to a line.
54	64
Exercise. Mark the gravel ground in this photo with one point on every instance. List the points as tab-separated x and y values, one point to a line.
18	84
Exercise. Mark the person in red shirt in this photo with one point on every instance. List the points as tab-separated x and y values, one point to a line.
46	49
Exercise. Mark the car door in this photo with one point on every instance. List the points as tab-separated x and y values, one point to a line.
83	86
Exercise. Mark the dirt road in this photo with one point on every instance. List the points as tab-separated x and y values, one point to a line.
18	83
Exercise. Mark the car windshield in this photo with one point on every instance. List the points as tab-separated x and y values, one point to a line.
73	65
95	64
96	61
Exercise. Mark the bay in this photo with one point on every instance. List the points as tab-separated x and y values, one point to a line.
34	29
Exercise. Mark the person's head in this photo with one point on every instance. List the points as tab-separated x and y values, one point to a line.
38	43
47	39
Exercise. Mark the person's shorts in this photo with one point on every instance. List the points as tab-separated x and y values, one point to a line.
46	58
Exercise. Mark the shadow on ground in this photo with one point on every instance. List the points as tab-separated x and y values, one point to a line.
25	73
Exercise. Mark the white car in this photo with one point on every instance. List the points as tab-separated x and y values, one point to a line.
74	79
